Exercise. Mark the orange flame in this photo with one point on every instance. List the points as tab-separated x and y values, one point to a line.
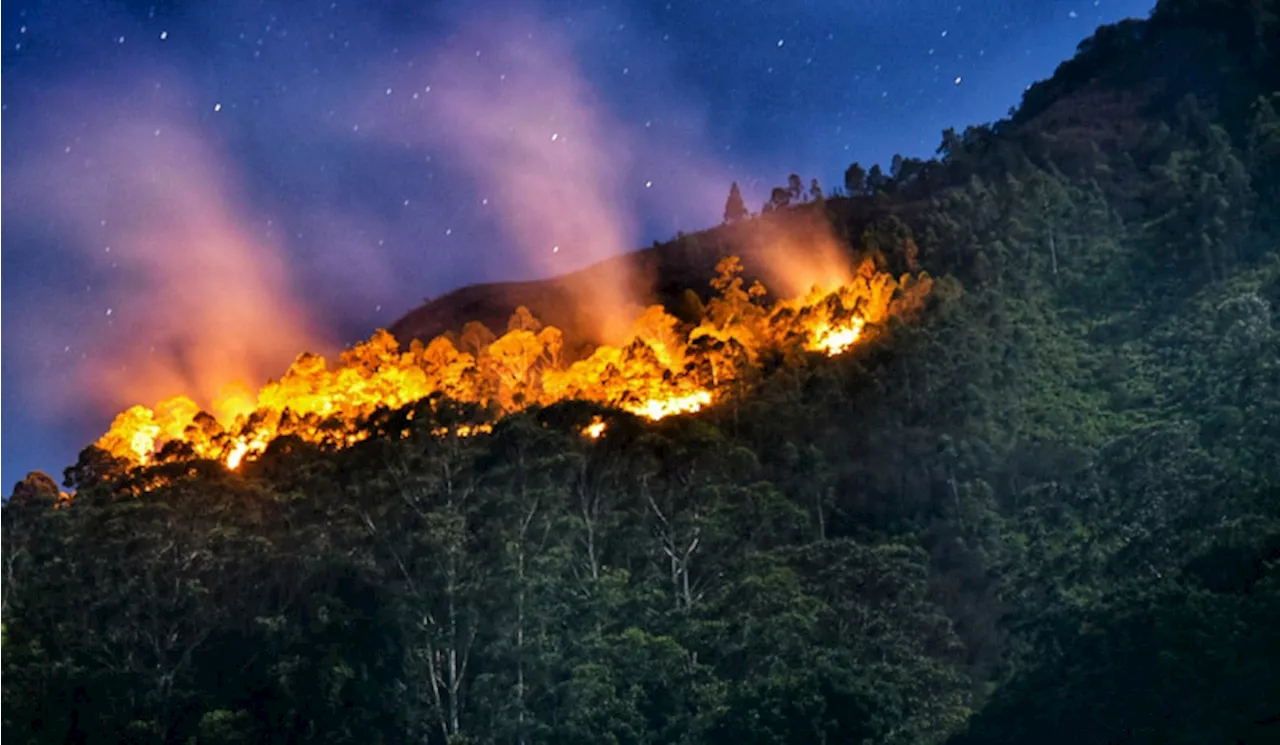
835	340
595	429
245	445
666	370
660	408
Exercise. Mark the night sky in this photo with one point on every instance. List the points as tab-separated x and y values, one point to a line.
195	192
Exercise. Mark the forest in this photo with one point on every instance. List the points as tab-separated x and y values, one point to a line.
1038	500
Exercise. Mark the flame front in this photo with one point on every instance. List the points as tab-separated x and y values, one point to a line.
667	370
660	408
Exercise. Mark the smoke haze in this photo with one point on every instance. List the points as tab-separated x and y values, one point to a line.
524	127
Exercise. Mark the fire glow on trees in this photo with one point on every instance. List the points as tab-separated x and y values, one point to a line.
667	369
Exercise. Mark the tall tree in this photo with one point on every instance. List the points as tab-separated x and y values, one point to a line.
734	208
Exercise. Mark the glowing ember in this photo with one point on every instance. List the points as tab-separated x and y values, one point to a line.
668	369
835	340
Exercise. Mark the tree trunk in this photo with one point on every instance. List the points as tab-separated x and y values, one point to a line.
1053	255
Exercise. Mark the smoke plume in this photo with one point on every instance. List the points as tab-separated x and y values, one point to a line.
183	291
797	251
505	100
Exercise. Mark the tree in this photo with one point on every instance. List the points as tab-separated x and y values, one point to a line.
475	339
523	320
877	182
815	191
734	208
779	198
907	172
38	486
795	187
855	180
952	144
415	504
524	539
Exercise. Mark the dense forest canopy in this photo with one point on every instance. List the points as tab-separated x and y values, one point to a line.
1039	502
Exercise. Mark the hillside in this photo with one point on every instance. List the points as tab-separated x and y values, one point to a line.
1033	498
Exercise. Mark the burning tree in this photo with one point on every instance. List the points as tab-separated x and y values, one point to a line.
734	208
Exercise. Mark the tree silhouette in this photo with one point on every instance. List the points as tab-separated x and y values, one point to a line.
877	181
855	180
734	208
795	187
815	191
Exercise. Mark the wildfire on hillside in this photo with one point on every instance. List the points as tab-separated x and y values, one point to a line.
668	369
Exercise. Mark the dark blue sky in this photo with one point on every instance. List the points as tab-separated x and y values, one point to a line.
197	191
